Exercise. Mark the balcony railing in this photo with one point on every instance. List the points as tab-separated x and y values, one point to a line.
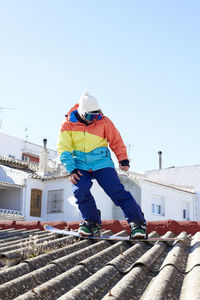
11	213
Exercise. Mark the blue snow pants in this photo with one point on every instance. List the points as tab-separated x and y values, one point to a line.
108	179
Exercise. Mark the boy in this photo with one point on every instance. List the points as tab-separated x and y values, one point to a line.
83	149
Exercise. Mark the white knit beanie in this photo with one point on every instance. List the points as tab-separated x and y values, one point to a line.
87	103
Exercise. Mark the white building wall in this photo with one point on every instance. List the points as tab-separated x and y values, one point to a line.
197	208
12	197
174	202
182	176
70	209
108	209
12	175
104	203
10	145
142	191
188	176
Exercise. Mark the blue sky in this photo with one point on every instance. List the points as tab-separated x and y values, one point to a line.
141	59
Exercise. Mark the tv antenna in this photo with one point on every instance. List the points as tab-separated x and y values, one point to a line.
7	108
26	133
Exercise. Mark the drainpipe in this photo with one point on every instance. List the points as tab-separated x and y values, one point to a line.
160	159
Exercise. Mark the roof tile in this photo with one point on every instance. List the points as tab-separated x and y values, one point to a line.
64	267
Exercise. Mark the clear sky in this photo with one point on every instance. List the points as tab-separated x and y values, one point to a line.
141	59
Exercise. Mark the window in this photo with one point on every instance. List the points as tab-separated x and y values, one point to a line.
55	201
185	210
30	158
38	199
158	205
11	156
25	158
153	208
158	209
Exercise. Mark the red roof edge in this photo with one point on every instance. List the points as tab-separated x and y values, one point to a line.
161	227
191	227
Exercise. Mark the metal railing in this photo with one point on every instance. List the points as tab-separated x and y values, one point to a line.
11	212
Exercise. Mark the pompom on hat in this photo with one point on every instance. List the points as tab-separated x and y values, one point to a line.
87	103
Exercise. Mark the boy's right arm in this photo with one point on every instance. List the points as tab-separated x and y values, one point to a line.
65	149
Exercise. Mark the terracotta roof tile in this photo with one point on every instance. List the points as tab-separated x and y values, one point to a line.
19	164
32	169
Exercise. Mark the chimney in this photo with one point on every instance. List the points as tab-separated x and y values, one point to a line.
160	159
44	159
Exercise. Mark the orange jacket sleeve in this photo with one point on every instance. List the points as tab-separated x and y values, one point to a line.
115	140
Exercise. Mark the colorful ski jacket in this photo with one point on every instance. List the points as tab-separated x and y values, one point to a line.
85	147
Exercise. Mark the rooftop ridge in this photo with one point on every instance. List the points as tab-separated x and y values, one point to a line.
161	227
11	162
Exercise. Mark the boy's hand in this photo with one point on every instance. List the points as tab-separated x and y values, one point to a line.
124	168
124	165
75	176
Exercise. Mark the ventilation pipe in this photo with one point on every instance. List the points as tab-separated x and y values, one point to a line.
160	159
45	144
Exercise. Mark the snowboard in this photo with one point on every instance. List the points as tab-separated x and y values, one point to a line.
108	237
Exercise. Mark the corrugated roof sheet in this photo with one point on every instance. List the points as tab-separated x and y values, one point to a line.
38	265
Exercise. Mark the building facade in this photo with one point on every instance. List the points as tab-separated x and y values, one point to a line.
185	177
48	197
37	188
20	149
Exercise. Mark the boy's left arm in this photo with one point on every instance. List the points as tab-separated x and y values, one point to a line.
116	144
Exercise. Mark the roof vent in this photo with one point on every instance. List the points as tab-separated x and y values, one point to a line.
160	159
